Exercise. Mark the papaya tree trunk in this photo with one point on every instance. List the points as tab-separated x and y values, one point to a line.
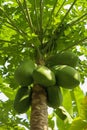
39	114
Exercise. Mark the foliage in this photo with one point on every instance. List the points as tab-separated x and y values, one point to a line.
37	29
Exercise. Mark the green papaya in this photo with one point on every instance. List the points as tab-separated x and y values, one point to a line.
65	58
54	96
66	76
44	76
22	100
23	73
61	112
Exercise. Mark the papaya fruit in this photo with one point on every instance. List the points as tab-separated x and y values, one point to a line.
65	58
23	73
61	113
44	76
66	76
54	96
22	100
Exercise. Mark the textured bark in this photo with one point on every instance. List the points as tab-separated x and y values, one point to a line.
39	114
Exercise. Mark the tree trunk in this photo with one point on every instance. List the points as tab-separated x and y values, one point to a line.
39	114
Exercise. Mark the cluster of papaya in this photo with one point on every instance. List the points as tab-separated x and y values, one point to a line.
63	65
22	100
58	71
23	75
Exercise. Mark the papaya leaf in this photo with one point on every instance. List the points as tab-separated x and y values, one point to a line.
83	108
79	95
67	98
78	123
9	92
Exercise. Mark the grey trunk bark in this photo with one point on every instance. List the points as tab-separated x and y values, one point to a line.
39	114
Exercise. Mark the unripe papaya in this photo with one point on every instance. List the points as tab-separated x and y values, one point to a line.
54	96
61	112
22	100
44	76
65	58
23	73
66	76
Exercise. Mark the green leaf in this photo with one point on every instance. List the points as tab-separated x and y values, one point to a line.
67	98
83	108
1	80
78	124
9	92
79	95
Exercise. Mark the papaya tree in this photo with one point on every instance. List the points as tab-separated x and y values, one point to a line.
43	51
